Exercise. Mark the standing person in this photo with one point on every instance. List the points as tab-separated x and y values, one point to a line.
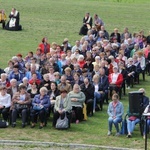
44	46
115	112
87	24
13	23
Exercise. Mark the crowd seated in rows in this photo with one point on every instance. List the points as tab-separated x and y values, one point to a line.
88	72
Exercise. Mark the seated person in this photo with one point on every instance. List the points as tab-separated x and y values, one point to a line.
131	69
33	90
13	23
23	99
62	106
41	104
53	93
115	80
115	112
87	24
2	18
77	99
5	102
133	120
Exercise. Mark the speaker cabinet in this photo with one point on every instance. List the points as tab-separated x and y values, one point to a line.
135	101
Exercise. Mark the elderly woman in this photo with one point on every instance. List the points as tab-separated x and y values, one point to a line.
62	107
41	104
77	99
5	102
115	112
115	80
20	104
4	81
131	70
46	82
13	87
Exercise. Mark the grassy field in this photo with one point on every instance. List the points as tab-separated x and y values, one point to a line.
58	19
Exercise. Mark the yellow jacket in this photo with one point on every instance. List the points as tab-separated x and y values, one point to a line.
2	16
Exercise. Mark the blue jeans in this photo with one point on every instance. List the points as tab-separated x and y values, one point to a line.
148	125
97	97
131	124
115	122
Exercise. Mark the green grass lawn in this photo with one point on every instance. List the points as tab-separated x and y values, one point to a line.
58	19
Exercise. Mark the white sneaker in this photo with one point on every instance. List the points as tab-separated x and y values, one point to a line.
117	134
109	133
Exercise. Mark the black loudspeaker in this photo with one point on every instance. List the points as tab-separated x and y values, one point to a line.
135	101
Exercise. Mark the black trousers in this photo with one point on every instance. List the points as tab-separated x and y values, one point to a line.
5	113
23	112
56	115
89	106
78	113
41	113
3	23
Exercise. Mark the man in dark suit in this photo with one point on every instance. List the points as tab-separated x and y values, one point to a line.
104	83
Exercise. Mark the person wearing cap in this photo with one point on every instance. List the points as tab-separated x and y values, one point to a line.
62	107
65	46
20	98
87	24
5	102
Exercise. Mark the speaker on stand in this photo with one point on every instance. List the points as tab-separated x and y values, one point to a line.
135	102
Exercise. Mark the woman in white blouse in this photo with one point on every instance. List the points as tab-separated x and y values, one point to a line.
5	102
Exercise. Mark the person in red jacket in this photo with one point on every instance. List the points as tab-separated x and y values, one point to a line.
115	80
34	79
45	46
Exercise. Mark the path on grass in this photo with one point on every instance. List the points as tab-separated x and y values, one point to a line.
33	145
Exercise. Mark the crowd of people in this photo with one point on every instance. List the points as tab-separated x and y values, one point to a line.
65	80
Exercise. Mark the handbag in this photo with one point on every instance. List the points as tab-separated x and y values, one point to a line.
62	123
38	107
21	106
132	118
